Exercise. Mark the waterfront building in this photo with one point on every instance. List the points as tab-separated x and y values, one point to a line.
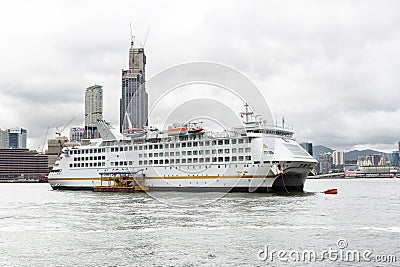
76	134
3	138
17	138
54	147
134	98
308	147
93	110
22	163
394	158
338	157
325	162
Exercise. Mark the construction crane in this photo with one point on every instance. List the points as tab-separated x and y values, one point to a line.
58	131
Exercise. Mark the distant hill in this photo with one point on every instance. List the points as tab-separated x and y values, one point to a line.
349	156
321	149
353	155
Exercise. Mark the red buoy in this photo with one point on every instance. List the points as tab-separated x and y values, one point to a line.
331	191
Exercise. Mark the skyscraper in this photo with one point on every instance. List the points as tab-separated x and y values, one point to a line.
93	110
17	138
338	157
3	138
134	100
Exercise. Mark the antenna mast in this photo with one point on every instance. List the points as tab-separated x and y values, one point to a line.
132	37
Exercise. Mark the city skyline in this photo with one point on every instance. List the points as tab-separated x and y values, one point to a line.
333	64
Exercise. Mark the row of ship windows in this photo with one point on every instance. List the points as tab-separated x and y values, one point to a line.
196	152
195	160
160	146
90	158
87	151
87	164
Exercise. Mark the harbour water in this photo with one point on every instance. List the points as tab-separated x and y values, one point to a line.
41	227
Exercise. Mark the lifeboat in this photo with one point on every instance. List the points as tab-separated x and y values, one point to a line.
332	191
195	130
177	130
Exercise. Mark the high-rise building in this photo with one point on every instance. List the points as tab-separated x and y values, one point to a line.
93	110
134	99
76	134
394	158
17	138
338	157
3	138
307	147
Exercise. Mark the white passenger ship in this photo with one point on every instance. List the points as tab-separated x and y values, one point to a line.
252	158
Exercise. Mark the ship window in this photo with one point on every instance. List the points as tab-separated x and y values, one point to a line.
183	145
183	160
234	158
150	162
130	148
234	150
271	152
177	161
121	149
161	146
247	149
240	149
103	164
90	164
140	155
150	155
150	146
140	162
214	151
140	147
135	148
125	148
240	141
241	158
226	158
220	142
172	154
161	154
214	159
155	146
195	143
226	142
256	162
201	143
248	157
86	165
189	160
195	152
112	149
116	163
166	161
201	160
233	141
195	160
103	150
95	164
207	152
183	153
207	143
166	146
155	154
220	151
189	144
189	153
220	159
227	150
166	154
91	151
177	153
266	161
145	155
145	162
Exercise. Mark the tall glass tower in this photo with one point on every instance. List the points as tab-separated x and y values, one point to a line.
134	100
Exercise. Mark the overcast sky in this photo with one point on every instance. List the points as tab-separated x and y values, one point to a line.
332	68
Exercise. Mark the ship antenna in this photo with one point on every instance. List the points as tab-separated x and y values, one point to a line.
247	112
